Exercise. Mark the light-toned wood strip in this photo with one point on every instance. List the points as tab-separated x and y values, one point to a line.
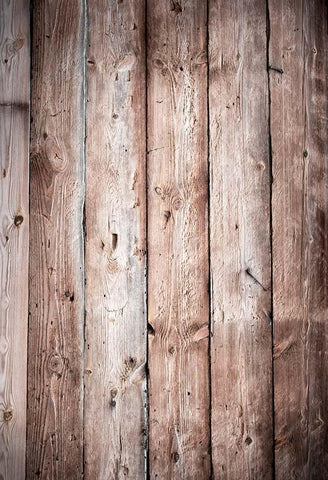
242	444
56	299
178	241
299	49
115	371
14	230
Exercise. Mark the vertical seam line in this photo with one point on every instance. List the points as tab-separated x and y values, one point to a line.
147	460
268	32
209	242
31	5
85	85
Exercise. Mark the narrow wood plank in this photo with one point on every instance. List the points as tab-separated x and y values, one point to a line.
299	47
178	240
240	241
14	230
56	303
115	413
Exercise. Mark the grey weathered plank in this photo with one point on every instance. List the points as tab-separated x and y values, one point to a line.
178	240
56	298
299	47
242	445
115	413
14	134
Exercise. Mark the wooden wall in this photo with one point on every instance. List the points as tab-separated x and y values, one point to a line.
164	239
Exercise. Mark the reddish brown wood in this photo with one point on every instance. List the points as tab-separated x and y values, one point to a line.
115	413
178	241
242	443
299	47
56	298
226	67
14	231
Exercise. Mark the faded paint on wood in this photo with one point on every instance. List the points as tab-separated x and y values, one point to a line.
14	134
56	303
115	410
299	47
178	241
240	241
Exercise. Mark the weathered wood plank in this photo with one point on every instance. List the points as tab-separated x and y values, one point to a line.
178	240
299	47
115	413
240	241
14	146
56	299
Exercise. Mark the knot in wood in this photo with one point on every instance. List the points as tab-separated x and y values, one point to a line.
56	364
18	220
8	415
18	44
113	392
175	457
172	350
177	203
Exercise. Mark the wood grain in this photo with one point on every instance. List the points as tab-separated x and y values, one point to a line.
146	116
115	410
178	241
14	231
299	47
56	297
240	241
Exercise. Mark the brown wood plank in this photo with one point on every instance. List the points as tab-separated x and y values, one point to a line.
299	47
178	240
56	299
14	230
240	241
115	413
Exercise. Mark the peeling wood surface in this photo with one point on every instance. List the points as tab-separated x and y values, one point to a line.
178	301
115	370
174	220
240	241
14	231
56	296
299	47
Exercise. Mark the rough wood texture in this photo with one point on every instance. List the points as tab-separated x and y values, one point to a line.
178	240
210	394
115	410
14	134
299	46
240	241
56	243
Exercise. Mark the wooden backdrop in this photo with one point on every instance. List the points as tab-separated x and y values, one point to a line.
163	239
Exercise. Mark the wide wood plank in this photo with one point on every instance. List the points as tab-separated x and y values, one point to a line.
115	410
178	240
241	345
14	221
299	48
56	303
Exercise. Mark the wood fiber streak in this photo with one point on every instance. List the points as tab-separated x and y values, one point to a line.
240	241
299	46
56	303
115	410
178	240
14	134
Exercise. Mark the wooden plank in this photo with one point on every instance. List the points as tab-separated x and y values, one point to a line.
56	298
240	241
178	240
115	413
14	231
299	47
